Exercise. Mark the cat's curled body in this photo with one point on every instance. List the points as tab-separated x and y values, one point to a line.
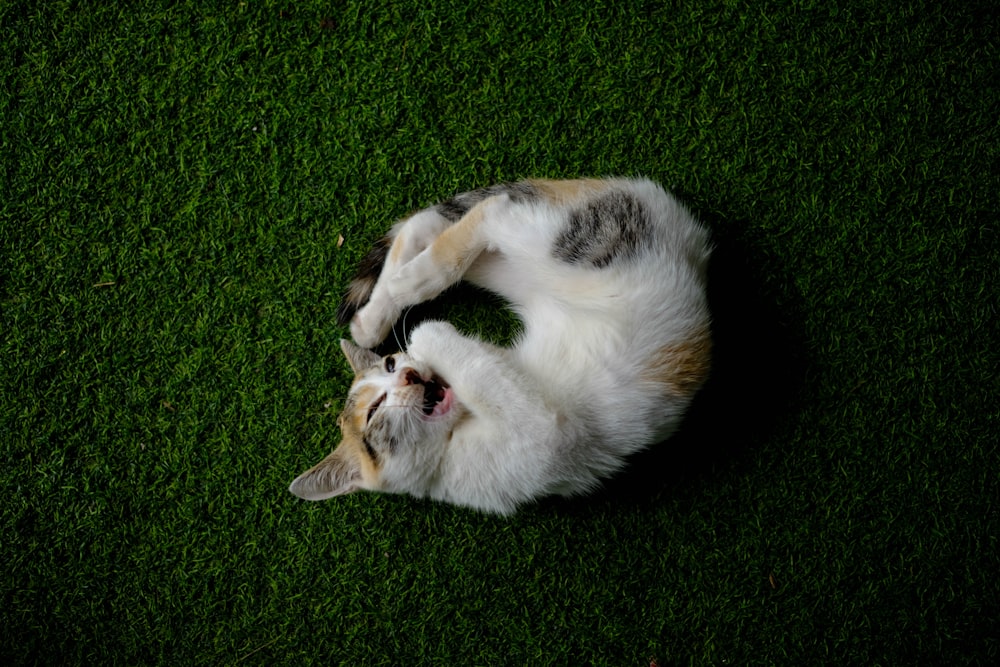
608	278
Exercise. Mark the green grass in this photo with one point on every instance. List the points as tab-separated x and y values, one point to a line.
175	177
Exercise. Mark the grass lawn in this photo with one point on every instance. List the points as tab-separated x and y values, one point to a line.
185	187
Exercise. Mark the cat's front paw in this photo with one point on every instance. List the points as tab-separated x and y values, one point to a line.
372	324
431	333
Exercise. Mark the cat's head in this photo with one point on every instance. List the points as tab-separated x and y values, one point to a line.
395	425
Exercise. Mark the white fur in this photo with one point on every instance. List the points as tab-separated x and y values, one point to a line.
565	405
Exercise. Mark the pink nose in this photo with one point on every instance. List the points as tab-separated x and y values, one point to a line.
411	377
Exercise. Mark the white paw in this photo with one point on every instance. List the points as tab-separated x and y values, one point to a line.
372	324
413	282
428	334
400	284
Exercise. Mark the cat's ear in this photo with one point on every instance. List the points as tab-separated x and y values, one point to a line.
359	358
336	475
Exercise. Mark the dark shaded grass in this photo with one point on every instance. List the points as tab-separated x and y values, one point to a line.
175	177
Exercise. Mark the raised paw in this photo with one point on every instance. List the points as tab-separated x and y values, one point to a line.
431	333
372	324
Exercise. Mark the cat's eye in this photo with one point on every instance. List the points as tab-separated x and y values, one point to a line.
390	364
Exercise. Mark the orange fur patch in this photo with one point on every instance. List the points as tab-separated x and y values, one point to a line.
396	250
354	448
352	426
563	192
682	367
452	248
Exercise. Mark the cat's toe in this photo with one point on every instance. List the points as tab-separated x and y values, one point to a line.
362	335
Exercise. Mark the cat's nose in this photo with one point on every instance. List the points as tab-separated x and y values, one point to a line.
411	377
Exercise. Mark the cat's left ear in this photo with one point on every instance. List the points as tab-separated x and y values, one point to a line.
359	358
336	475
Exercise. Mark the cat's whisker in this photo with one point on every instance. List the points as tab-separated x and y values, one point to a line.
403	326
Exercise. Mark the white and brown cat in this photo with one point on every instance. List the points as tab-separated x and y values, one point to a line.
608	277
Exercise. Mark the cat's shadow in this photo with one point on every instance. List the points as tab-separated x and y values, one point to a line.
758	370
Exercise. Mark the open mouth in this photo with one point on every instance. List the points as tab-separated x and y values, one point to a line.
435	395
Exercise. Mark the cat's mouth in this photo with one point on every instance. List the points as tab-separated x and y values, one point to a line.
437	394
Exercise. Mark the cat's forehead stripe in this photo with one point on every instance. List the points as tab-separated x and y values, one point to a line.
356	409
366	394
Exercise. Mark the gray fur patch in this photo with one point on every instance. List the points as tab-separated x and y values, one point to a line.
372	454
379	433
453	209
612	226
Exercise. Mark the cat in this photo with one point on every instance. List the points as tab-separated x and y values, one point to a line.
608	277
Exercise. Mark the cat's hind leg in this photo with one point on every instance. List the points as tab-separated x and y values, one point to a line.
427	254
445	261
367	303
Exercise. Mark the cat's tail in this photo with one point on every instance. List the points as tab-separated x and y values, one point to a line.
359	290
